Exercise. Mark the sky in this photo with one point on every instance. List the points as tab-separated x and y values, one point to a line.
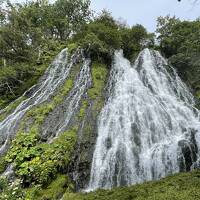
145	12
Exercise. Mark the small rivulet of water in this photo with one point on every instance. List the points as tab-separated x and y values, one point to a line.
82	82
148	128
54	76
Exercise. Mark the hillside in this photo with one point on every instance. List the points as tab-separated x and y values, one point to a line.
184	186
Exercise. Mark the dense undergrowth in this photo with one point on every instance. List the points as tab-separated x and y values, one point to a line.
36	164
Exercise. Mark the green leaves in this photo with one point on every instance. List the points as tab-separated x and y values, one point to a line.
31	33
102	36
180	42
38	163
177	36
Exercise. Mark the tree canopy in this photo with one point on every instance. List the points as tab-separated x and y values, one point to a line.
29	34
180	42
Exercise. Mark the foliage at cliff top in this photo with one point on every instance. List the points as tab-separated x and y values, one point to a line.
104	34
180	42
32	33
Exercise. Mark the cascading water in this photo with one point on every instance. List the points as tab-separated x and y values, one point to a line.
53	77
148	127
82	82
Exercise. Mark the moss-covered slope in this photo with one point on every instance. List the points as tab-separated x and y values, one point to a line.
183	186
43	170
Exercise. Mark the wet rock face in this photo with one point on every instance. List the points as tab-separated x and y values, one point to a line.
81	165
51	123
79	168
188	153
188	156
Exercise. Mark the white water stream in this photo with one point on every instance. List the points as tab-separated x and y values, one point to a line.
148	128
53	77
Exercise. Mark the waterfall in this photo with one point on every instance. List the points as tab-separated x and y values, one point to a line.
82	82
148	128
56	73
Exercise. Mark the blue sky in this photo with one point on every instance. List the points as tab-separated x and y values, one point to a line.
145	12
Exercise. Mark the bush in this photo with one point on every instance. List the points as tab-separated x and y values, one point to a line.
38	163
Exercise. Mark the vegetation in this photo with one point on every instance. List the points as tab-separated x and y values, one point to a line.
184	186
103	35
10	108
11	192
54	191
36	162
179	41
99	74
31	34
29	155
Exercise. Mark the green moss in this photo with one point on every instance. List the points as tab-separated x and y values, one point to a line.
83	108
9	109
3	164
95	93
72	47
62	93
99	78
99	74
53	192
183	186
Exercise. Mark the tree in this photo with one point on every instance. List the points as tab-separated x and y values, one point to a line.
134	40
69	16
29	32
180	42
165	28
